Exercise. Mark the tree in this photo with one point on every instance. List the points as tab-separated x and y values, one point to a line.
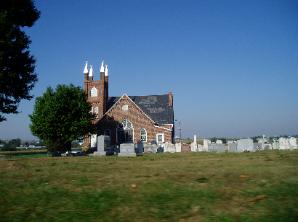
12	145
17	76
61	116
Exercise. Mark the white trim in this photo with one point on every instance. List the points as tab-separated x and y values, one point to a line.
132	102
163	138
141	135
163	128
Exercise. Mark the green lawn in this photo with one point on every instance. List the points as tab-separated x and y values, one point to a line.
261	186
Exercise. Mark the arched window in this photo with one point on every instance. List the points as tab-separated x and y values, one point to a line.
126	124
143	135
93	92
125	132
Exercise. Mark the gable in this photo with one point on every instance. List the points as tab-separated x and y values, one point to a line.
123	107
155	106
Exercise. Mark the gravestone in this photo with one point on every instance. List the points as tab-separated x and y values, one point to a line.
194	145
150	148
293	142
103	142
127	149
232	147
219	148
283	143
275	144
178	147
169	147
245	145
93	140
219	142
258	146
206	144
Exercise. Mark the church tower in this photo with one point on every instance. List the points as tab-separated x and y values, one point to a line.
97	90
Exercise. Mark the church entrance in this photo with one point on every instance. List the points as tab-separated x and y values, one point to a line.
125	132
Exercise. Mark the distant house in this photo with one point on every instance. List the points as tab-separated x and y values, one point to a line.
128	119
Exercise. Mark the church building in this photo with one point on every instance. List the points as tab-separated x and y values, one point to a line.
127	119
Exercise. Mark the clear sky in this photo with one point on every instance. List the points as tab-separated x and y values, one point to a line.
232	65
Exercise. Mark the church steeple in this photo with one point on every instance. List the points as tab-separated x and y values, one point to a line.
106	71
91	73
86	68
102	69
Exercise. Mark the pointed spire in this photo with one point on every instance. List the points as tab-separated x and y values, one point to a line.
86	68
106	71
102	69
91	71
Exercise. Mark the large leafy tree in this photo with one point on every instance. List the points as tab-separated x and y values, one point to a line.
17	76
61	116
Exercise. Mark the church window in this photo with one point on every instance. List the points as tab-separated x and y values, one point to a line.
143	135
160	138
125	107
93	92
125	132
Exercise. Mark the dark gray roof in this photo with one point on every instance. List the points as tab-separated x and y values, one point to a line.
155	106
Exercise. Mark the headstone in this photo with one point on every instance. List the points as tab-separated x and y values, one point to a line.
206	144
178	147
245	145
194	145
283	143
232	147
200	148
127	149
293	142
150	148
169	147
93	140
275	144
103	142
219	148
258	146
218	141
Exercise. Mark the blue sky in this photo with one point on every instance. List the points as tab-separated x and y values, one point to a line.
232	65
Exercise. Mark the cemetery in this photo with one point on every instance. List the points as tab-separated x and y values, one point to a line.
103	146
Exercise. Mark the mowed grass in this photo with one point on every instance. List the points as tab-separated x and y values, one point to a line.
261	186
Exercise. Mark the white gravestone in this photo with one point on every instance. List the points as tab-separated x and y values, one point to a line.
283	143
178	147
103	142
127	149
93	140
194	145
293	142
245	145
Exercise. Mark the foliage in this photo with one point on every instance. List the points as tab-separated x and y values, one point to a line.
17	66
11	145
61	116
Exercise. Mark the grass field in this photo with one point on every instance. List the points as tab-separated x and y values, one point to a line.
261	186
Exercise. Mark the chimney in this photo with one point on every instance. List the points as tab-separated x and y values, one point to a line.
170	99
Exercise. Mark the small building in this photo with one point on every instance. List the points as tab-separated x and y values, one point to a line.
128	119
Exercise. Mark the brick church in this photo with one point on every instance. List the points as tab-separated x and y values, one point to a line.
128	119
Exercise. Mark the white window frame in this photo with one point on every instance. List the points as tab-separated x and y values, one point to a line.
145	135
163	138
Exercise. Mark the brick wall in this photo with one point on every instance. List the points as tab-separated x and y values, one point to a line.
138	119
